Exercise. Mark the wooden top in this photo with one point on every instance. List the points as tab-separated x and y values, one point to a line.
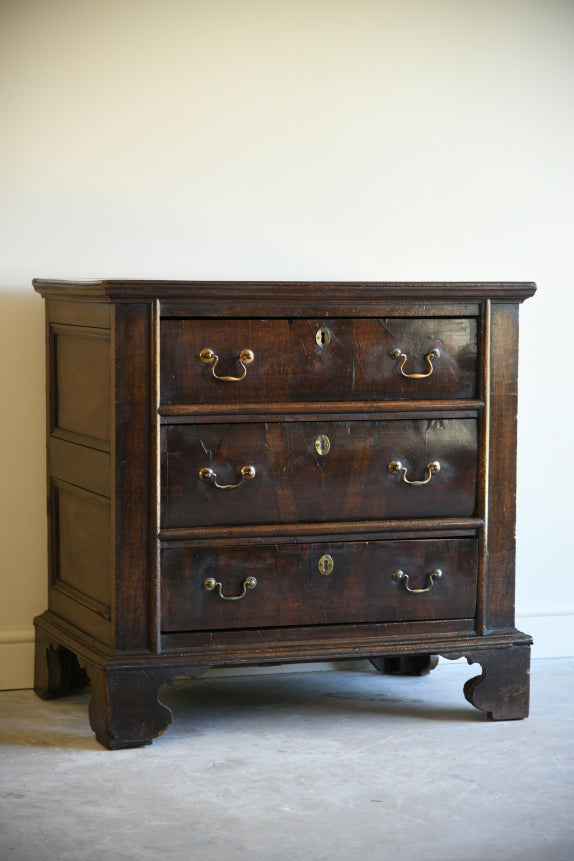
137	290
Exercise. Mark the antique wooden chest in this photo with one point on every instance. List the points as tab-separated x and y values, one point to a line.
251	473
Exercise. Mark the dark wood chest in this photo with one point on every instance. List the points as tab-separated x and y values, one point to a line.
251	473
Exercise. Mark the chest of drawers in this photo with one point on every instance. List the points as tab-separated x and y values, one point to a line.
243	474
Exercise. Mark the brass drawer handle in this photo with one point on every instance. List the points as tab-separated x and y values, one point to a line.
401	576
395	467
245	358
208	474
211	583
398	354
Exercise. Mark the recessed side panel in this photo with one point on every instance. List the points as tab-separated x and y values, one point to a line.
81	546
80	385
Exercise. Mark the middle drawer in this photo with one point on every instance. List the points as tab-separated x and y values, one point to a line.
294	472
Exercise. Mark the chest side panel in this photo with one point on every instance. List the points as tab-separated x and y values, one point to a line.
80	433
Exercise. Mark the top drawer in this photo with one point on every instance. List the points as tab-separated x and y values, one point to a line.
236	361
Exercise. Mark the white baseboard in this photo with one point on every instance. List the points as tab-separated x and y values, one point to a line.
552	630
16	658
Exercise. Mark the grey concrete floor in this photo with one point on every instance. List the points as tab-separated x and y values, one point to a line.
345	764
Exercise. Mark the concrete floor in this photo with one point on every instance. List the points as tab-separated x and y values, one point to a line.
321	765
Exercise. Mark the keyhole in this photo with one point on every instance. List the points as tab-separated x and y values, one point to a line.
322	444
322	336
326	564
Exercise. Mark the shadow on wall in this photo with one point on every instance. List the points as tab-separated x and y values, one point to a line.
22	471
23	381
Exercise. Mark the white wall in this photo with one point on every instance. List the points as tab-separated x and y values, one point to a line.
296	139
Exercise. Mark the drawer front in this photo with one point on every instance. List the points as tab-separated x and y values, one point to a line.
366	582
317	472
313	360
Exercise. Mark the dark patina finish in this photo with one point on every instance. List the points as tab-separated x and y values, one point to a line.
257	473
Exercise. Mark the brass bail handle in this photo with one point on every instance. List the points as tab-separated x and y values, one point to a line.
400	576
209	475
245	358
211	583
432	354
396	467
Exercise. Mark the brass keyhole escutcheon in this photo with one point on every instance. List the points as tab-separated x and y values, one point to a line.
322	444
326	564
322	336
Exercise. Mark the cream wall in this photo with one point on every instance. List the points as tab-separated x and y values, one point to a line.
415	139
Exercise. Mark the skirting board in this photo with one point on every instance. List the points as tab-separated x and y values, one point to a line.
552	630
16	658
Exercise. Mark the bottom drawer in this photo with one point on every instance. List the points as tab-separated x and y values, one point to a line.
210	588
